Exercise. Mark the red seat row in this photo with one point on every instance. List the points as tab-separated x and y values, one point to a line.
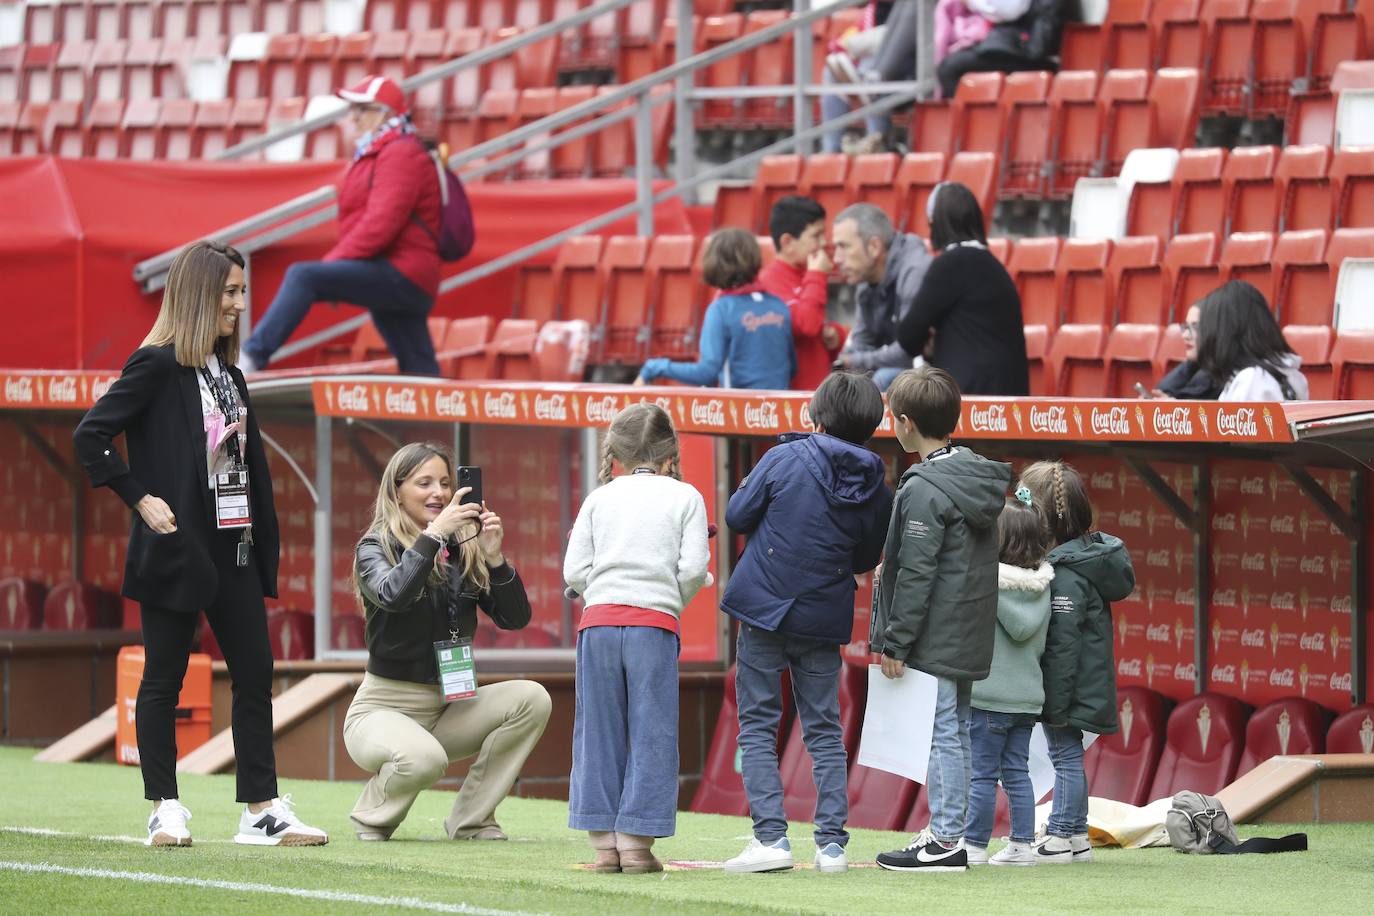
75	20
70	605
1311	116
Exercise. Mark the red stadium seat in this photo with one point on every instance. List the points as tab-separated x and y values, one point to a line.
825	179
496	113
1338	36
1303	196
351	58
210	131
138	133
1131	254
1172	350
1313	346
21	604
623	330
573	158
292	634
349	631
1280	50
69	70
1037	350
533	105
1249	256
794	765
677	298
1230	46
1122	766
576	281
1311	116
1000	248
282	69
879	800
1174	96
1146	293
1033	132
560	351
36	77
917	176
1127	35
1352	178
981	121
1288	726
1303	289
1153	204
64	136
1129	358
978	172
726	73
1032	267
1177	31
1352	359
389	54
1080	139
81	606
102	128
1074	366
872	179
469	337
769	64
1082	280
511	353
1206	736
1191	272
1345	243
106	80
1352	732
1249	190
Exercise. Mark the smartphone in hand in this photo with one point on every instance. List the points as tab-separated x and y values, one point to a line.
1143	391
471	477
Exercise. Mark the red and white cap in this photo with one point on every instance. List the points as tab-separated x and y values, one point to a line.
380	90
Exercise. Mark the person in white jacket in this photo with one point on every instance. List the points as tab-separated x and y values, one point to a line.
1240	345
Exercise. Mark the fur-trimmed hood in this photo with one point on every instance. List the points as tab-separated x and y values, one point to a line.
1024	580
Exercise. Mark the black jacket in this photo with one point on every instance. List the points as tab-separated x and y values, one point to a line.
969	300
936	607
405	618
156	404
1189	381
1033	38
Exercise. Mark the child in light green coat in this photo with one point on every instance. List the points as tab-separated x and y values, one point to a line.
1006	703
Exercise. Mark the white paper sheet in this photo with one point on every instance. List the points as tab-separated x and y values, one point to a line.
1041	769
898	722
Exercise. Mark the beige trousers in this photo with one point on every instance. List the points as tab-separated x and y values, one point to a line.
407	735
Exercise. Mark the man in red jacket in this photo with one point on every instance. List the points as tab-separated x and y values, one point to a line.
387	256
798	277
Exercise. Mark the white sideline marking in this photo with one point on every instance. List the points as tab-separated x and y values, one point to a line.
43	831
143	877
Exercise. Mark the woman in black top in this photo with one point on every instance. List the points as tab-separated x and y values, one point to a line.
968	303
427	563
183	408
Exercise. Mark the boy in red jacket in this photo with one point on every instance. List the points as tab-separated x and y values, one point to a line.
797	276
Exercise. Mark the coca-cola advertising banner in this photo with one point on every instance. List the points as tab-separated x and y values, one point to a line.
766	413
38	389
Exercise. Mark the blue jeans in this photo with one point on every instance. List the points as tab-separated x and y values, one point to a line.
885	376
399	308
835	106
951	760
760	658
1069	812
625	757
1001	751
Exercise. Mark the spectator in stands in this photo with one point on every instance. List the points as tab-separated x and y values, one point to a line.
799	276
1239	344
184	411
386	258
968	302
1025	36
746	339
850	61
428	562
960	25
888	270
1187	380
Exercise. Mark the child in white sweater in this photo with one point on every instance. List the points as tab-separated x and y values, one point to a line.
637	556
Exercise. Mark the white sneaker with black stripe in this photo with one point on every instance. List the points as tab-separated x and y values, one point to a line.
1082	848
167	825
277	825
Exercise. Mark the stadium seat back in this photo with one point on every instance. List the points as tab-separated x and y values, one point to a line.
510	355
872	179
1303	289
1352	174
1352	732
1313	346
1354	308
21	604
1082	279
1130	359
1289	726
1304	190
1032	267
1174	101
1191	272
74	605
1122	766
466	339
625	336
917	175
1075	361
1249	256
292	634
978	172
1206	736
825	179
677	295
577	277
1134	280
561	350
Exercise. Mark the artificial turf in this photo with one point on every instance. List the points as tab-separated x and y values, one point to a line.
88	806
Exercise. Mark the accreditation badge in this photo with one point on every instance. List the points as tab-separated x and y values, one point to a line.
231	500
457	669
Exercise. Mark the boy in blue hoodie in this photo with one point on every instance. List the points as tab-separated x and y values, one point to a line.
815	509
746	338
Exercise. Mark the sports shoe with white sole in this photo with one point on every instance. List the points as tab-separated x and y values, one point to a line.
977	855
1053	850
1013	854
758	857
925	854
277	825
831	859
167	825
1082	848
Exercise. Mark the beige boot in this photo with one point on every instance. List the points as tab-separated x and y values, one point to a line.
607	856
636	855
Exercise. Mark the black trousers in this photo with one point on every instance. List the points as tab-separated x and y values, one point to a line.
238	617
974	60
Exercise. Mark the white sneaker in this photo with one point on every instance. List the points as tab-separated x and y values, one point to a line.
1012	854
977	855
757	857
167	825
277	825
1082	848
1056	850
831	858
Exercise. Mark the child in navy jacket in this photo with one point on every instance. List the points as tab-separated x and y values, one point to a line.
816	512
746	339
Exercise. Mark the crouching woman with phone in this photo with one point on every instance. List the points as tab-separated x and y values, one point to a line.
426	564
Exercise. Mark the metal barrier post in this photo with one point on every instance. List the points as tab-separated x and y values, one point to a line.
801	76
684	130
644	164
324	536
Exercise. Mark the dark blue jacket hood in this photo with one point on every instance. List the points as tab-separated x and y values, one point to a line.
848	474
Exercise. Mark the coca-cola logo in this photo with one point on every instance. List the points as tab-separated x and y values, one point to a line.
1281	678
1158	633
1223	674
401	400
1281	601
1252	486
600	410
1049	420
1185	596
1129	667
1158	558
1102	481
1252	562
1312	564
1186	672
100	387
1313	642
1110	422
708	413
1225	522
553	408
761	416
1240	423
62	390
1224	597
1253	639
990	419
450	404
1176	422
1133	519
1341	605
352	398
19	390
1281	524
1340	681
804	416
499	406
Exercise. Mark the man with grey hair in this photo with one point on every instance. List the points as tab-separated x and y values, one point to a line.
888	269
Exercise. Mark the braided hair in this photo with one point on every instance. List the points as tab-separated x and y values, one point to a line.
641	434
1059	491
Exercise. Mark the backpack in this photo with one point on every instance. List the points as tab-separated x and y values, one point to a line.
1199	824
457	233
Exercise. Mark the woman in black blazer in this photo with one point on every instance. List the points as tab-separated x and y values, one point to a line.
967	302
183	408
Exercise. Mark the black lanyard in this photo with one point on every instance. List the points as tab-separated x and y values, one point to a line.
228	406
939	453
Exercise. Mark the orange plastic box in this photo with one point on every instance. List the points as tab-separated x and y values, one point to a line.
192	712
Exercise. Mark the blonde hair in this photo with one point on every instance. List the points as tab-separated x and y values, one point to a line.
1059	491
641	434
397	531
192	303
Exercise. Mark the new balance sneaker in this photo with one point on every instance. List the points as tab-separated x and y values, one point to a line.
757	857
925	854
277	825
1013	854
977	855
831	858
1082	848
1055	850
167	825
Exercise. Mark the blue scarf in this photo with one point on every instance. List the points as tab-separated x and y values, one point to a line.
398	122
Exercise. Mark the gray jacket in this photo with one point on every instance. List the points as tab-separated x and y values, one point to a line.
1015	683
879	307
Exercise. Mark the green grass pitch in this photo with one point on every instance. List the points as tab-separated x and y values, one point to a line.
61	852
